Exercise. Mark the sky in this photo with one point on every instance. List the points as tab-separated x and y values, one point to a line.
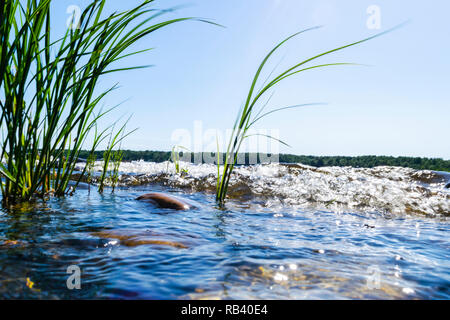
397	103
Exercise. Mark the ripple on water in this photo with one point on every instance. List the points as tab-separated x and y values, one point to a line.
127	249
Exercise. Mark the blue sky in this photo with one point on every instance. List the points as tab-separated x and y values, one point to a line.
397	105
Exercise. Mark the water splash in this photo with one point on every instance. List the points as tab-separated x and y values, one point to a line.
383	189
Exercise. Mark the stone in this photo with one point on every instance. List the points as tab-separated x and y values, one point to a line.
131	238
165	201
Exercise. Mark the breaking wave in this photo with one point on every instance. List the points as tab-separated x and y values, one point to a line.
382	189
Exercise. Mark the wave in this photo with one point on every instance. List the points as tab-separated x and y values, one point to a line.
382	189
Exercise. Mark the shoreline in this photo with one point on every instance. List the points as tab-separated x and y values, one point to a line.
368	161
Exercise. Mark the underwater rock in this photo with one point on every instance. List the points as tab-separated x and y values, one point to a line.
135	243
4	244
133	239
165	201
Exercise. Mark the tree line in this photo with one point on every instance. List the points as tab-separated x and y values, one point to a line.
418	163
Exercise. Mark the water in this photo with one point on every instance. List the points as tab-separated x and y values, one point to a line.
288	232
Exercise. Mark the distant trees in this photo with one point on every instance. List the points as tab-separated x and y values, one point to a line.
130	155
436	164
369	162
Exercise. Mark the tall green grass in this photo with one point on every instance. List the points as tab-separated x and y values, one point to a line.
116	159
175	158
48	93
114	156
253	111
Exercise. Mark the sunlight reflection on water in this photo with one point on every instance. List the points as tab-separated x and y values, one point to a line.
132	250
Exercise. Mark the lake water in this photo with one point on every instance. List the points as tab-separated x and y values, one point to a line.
287	232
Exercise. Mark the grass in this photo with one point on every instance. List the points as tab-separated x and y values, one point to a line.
112	155
175	158
253	111
90	163
114	174
48	94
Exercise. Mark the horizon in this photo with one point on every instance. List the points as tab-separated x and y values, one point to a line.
284	153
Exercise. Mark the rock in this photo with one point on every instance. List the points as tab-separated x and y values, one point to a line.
135	243
7	244
448	185
131	238
165	201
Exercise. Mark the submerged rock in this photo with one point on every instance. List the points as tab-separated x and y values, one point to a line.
10	244
165	201
133	239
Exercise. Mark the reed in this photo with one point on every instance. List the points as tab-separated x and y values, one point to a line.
116	159
90	163
175	157
48	88
253	111
114	156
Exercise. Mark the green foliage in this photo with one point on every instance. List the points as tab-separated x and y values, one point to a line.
435	164
110	155
175	157
48	88
116	159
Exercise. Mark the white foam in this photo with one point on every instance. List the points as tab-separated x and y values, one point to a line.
390	189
